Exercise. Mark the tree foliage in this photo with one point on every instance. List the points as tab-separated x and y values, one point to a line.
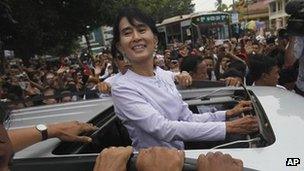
162	9
53	26
222	7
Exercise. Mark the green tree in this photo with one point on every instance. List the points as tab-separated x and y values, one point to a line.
158	9
221	6
162	9
53	26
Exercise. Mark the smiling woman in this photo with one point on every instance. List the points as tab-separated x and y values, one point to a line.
136	39
146	98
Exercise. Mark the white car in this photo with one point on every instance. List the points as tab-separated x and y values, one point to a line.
278	145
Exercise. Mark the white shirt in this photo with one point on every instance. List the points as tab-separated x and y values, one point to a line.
154	113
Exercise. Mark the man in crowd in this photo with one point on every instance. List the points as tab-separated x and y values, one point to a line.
264	71
295	51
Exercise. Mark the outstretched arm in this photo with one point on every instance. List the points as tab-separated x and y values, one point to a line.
66	131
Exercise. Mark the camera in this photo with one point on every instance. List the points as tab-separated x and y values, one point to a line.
295	25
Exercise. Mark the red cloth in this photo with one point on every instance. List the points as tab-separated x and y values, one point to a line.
86	70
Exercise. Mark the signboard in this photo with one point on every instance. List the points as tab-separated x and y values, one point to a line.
212	19
234	18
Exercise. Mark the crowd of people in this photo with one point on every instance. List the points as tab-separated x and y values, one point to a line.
253	59
49	82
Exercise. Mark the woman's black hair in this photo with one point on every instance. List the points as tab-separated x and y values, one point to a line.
190	63
132	14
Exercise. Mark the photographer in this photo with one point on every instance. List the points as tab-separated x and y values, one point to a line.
295	49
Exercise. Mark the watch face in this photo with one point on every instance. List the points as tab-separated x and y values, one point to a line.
41	127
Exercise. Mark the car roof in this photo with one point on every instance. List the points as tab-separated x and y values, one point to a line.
283	108
285	112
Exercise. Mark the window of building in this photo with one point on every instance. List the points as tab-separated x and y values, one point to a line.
279	5
272	7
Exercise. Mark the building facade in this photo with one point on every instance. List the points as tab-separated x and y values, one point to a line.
100	39
277	15
107	35
253	10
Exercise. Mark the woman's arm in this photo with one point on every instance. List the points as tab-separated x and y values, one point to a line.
132	107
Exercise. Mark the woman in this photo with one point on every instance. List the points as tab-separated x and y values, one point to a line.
147	101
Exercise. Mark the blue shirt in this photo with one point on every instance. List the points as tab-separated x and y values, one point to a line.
154	113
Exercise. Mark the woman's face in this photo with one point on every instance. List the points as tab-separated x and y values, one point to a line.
136	42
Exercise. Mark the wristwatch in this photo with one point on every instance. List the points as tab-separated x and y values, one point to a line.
43	131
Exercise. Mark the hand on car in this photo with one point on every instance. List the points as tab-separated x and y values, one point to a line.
231	81
242	106
69	131
104	87
247	124
218	162
160	159
113	159
184	79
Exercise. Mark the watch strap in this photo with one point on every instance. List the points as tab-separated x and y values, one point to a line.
44	134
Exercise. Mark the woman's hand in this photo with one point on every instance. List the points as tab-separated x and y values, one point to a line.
184	79
242	106
69	131
245	125
113	159
104	87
